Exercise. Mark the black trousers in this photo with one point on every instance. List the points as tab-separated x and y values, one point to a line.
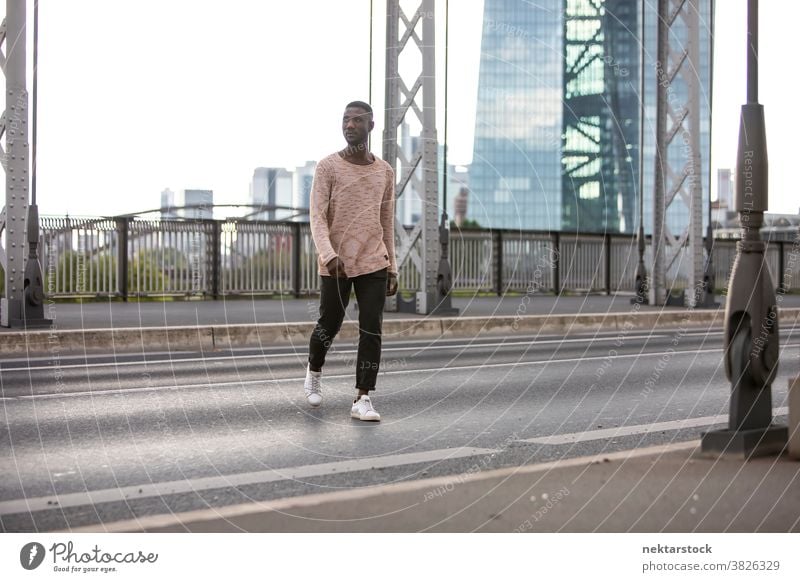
334	297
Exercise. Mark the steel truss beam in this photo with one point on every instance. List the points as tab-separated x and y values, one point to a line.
15	159
678	178
422	246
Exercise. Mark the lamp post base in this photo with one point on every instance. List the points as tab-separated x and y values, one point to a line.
744	444
794	418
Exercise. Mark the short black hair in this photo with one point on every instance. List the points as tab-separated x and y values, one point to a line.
361	105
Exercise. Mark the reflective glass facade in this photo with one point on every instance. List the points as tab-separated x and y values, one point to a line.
515	175
557	126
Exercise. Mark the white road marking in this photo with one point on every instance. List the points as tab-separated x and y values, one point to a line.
133	492
610	433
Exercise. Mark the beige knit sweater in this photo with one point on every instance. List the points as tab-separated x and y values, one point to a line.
352	215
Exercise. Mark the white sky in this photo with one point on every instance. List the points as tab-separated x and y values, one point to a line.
137	96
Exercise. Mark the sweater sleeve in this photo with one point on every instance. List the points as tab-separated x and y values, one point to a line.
321	189
388	219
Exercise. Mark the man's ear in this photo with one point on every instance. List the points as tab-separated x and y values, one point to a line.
371	125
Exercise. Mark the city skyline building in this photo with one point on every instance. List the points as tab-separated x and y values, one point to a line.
168	211
271	187
725	187
557	117
409	205
303	178
201	201
515	175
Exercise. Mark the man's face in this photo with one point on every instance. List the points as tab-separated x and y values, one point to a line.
356	125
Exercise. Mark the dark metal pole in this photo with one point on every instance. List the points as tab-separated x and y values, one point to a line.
216	259
555	255
296	262
370	51
709	277
752	51
369	90
641	270
607	262
34	98
446	60
444	275
33	306
751	313
497	239
123	225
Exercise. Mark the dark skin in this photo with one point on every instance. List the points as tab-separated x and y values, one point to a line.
356	125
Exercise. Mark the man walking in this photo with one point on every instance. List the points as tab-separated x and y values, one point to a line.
352	223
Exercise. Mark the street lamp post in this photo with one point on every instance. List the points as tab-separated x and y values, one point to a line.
751	312
642	284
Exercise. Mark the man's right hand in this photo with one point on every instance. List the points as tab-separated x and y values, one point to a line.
336	268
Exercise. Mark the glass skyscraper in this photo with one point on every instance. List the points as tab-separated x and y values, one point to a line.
557	124
515	175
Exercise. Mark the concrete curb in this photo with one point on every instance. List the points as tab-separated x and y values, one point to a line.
222	337
667	488
250	516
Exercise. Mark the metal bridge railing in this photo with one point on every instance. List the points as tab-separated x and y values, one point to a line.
127	257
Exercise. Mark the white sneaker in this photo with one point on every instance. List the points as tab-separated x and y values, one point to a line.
313	388
362	410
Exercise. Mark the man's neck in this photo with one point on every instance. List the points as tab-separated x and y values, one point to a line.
357	154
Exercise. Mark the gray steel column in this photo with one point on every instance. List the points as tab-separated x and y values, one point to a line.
678	182
642	280
392	88
694	169
657	294
15	160
421	247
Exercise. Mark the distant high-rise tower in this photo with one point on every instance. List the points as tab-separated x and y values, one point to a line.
201	203
168	211
725	188
303	179
271	187
515	175
557	117
460	207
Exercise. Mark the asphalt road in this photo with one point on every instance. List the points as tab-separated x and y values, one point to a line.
120	437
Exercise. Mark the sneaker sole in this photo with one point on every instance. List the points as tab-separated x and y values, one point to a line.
359	417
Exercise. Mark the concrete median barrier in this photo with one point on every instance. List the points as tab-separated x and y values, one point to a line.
223	337
127	339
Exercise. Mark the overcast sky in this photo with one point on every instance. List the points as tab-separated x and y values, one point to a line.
139	95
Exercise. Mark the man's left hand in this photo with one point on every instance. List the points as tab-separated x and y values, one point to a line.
391	285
